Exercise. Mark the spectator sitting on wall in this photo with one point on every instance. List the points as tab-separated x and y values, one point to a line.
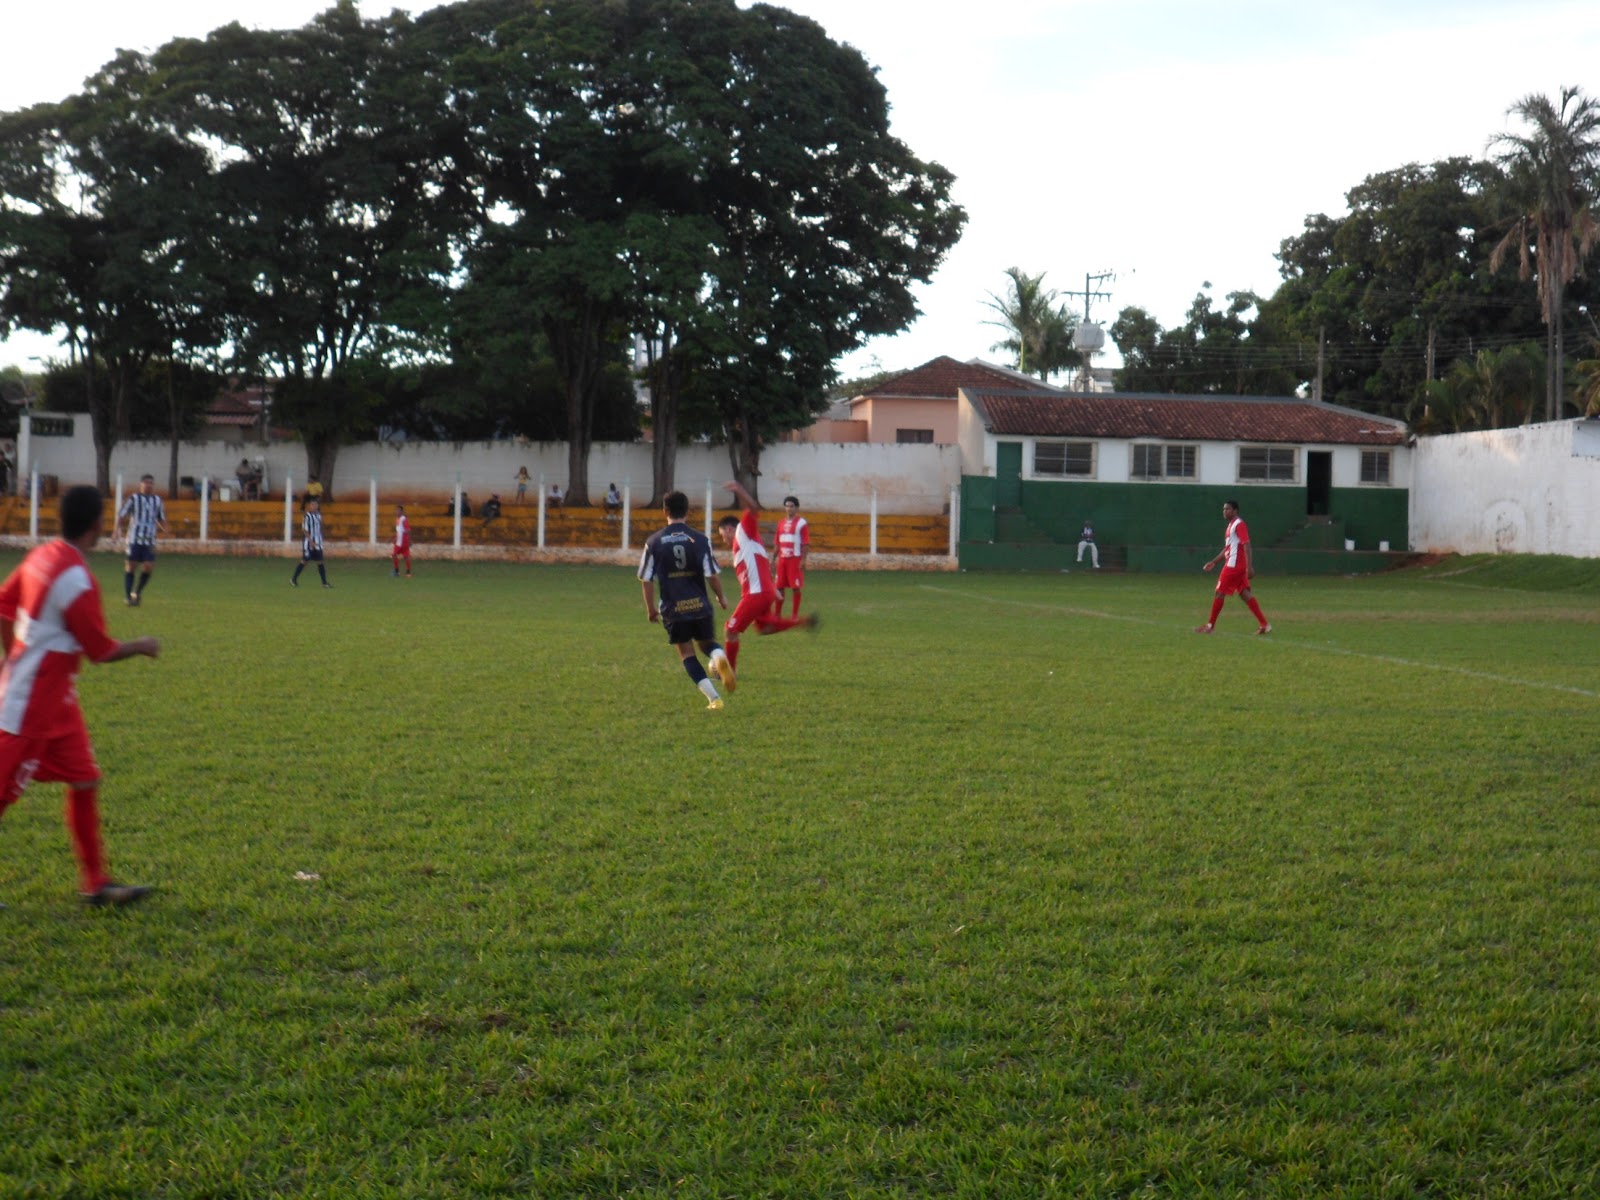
491	508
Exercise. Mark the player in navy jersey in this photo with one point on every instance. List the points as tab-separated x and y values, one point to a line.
145	516
311	543
679	561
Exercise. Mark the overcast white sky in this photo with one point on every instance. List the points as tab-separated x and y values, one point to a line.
1171	142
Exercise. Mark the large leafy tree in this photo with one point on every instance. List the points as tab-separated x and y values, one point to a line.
1554	173
335	203
824	220
101	213
1390	294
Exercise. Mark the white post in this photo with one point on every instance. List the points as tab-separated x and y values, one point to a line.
955	519
372	511
24	448
539	541
627	497
457	507
33	505
872	543
116	505
708	511
205	505
288	508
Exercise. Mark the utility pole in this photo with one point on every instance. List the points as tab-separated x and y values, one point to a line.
1322	359
1089	337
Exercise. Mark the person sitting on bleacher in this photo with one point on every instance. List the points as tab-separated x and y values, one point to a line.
554	499
491	508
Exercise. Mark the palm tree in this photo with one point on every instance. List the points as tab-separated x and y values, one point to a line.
1040	329
1586	389
1551	169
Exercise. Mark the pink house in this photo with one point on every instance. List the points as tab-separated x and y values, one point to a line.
920	405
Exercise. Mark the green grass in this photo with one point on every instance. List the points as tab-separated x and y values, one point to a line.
1000	886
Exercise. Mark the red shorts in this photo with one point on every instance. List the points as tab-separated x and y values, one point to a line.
1232	581
750	608
791	573
64	759
404	548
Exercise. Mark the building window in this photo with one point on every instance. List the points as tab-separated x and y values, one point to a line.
1063	458
51	426
916	436
1267	464
1163	462
1375	466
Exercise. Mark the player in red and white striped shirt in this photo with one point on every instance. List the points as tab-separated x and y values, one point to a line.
794	543
50	619
1238	569
742	535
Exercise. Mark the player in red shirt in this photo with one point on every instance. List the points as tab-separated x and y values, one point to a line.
742	535
50	619
402	542
794	543
1238	569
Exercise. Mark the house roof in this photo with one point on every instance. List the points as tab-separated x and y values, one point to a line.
239	408
941	378
1194	418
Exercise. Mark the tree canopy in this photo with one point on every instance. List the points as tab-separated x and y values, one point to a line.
364	208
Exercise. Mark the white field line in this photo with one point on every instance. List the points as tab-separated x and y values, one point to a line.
1278	639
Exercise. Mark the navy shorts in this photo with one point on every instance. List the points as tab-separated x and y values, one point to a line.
697	629
310	555
141	552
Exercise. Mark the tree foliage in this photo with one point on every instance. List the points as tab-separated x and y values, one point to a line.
365	207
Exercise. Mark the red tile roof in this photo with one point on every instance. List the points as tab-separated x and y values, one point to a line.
940	378
1195	418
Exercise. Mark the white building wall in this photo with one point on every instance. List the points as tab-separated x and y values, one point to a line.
831	477
1530	490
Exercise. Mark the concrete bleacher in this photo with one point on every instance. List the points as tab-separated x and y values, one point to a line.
579	527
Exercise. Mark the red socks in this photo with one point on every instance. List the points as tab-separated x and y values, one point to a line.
1216	610
83	823
731	649
1256	608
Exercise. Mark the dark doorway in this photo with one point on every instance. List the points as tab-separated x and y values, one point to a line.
1319	482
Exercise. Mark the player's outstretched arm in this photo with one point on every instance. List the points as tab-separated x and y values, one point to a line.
744	497
148	646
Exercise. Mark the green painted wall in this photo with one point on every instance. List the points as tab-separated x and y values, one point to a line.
1168	527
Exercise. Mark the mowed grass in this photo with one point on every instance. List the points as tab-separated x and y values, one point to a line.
999	886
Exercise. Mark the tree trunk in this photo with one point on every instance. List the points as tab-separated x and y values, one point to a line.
663	376
322	453
744	455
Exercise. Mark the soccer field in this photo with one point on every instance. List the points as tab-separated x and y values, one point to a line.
999	886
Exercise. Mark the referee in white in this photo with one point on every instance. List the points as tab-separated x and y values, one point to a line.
144	515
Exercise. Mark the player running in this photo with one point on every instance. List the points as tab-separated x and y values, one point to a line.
50	618
144	515
742	535
1238	568
794	543
678	560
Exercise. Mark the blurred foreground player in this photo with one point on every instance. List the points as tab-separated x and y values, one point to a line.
50	617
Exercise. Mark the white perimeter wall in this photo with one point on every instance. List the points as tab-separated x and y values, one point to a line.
1530	490
829	477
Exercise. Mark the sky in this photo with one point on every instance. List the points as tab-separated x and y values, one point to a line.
1165	144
